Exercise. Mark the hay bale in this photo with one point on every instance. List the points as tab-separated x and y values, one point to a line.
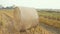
28	17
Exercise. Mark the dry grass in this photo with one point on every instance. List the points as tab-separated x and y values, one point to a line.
40	30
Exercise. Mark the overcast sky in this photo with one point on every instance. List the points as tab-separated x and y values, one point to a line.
42	4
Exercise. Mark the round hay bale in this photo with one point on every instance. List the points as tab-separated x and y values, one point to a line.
26	18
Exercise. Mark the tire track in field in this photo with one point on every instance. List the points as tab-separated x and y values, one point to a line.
50	28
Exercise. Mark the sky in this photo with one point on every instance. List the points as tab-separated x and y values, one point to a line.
40	4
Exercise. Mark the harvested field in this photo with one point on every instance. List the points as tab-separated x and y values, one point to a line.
52	19
48	23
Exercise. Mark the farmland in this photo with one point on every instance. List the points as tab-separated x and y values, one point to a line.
49	23
51	18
